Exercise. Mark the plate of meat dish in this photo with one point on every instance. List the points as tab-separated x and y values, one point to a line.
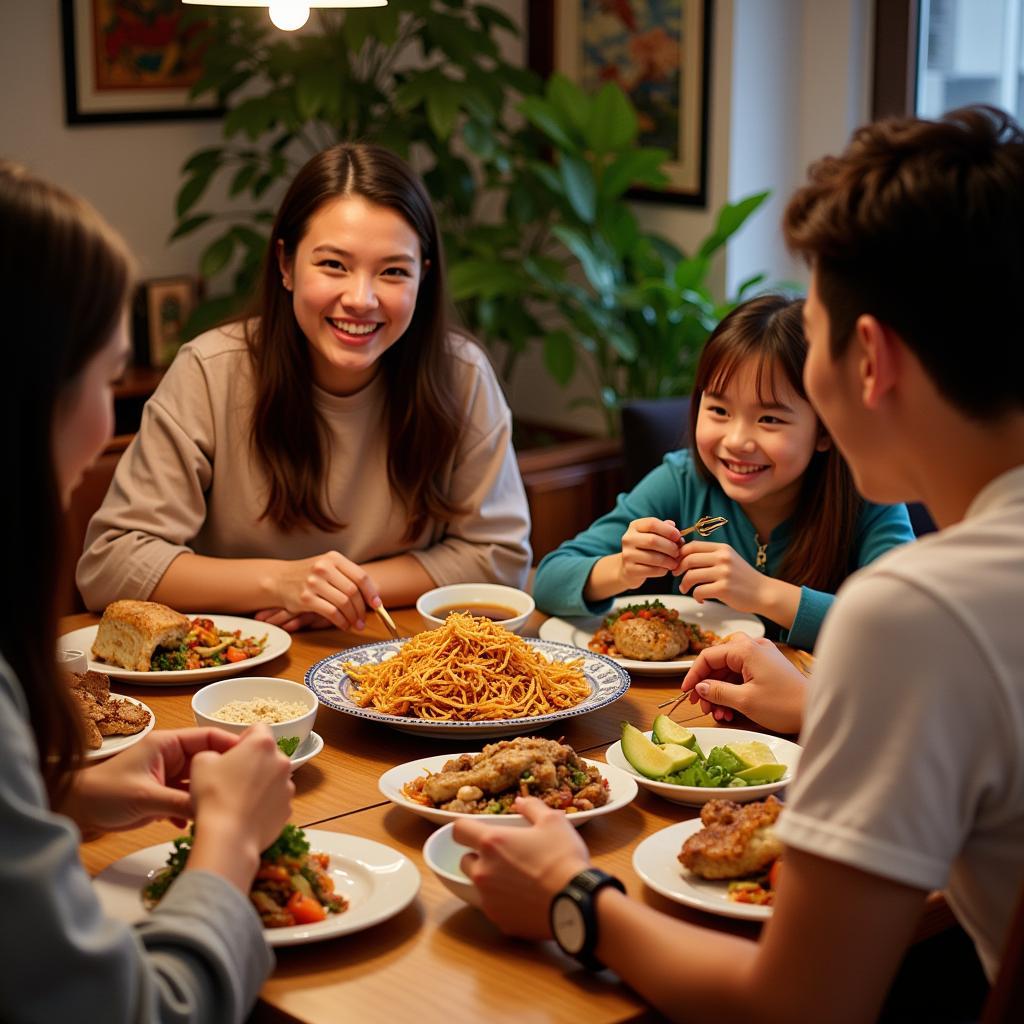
111	722
469	677
311	884
724	862
147	642
654	636
448	787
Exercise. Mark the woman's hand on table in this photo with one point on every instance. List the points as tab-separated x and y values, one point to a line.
751	676
330	587
519	870
290	622
147	782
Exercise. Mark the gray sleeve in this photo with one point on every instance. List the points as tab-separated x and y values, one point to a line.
200	958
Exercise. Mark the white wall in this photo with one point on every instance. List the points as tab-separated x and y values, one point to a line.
130	172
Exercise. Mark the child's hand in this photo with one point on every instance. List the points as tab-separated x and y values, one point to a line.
717	571
650	547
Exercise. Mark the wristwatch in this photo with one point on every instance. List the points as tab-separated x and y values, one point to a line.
572	917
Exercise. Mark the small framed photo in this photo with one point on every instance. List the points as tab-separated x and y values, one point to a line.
126	60
162	306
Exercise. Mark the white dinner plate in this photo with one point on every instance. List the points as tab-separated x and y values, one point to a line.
332	685
377	881
307	750
655	860
786	752
622	789
115	744
278	641
710	615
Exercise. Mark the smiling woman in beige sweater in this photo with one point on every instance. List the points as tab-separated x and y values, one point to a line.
341	448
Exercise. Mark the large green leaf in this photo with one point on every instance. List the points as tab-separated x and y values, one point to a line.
559	356
544	116
597	270
612	123
487	280
216	256
580	189
571	102
189	224
443	108
193	189
730	220
634	167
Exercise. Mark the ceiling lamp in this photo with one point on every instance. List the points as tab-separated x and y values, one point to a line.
289	14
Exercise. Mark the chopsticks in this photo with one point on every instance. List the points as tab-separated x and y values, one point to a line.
389	622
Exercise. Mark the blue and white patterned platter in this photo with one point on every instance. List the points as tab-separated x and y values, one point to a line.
329	681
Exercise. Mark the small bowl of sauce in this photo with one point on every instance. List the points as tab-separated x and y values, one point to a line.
506	606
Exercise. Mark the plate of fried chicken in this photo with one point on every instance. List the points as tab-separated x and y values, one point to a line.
111	721
484	785
695	862
653	636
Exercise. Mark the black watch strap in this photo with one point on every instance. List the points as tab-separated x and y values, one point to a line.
578	898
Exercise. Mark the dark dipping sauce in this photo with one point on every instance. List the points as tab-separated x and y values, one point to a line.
494	612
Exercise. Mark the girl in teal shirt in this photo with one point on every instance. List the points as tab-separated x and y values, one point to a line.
761	459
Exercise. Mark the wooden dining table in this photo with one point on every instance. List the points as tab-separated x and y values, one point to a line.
439	959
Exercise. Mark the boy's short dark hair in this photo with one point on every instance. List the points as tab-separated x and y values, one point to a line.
921	224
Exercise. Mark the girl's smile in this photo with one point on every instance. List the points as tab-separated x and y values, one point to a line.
757	446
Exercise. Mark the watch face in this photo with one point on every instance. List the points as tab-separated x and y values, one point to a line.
568	926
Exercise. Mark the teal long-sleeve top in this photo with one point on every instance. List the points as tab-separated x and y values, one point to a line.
676	491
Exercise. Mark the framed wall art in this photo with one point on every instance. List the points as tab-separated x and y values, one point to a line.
130	60
161	307
659	51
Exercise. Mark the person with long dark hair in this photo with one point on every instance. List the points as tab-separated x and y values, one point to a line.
761	459
342	446
65	278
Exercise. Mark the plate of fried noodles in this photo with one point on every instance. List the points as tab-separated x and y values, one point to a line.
467	677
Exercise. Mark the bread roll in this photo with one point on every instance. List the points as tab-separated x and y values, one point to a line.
130	631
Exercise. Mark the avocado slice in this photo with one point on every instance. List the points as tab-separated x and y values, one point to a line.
667	731
650	760
762	773
752	754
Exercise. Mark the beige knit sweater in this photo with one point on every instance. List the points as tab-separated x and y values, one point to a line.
188	481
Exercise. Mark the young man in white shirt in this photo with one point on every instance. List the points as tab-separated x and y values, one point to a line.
913	772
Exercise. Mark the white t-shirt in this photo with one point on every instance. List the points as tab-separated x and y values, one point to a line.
914	733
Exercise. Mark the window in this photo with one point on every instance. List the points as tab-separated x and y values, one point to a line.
970	51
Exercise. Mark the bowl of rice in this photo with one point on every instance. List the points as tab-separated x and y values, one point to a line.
288	708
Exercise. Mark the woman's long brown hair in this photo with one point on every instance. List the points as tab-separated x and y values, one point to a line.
769	329
288	437
64	280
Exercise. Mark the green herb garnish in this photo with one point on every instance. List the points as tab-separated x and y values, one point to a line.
288	745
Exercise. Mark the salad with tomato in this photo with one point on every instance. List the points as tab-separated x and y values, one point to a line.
206	646
292	885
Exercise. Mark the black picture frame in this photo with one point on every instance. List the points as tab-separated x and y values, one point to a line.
689	186
121	105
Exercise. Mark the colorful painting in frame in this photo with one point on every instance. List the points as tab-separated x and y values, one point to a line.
130	60
659	52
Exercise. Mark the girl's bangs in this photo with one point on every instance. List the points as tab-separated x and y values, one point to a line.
766	374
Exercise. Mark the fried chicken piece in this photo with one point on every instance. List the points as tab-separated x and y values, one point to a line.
497	767
122	718
737	839
102	714
95	683
649	639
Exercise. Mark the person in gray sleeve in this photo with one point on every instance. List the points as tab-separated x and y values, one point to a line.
65	278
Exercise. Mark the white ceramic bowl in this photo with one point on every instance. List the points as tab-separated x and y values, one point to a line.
210	699
442	855
465	595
